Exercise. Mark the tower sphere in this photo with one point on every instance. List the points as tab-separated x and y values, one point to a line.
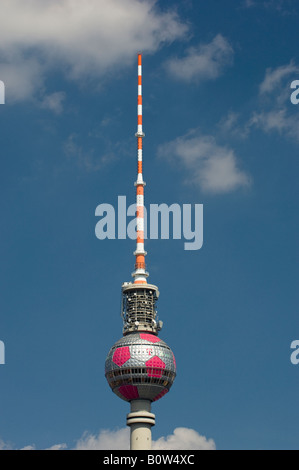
140	366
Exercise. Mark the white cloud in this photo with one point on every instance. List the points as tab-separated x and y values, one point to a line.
276	113
184	439
105	440
274	77
204	62
23	78
210	166
84	39
58	447
272	120
278	120
274	110
4	445
181	439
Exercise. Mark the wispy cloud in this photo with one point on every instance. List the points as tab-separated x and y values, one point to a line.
277	120
274	77
84	156
231	125
249	3
54	102
276	113
283	6
204	62
213	168
84	39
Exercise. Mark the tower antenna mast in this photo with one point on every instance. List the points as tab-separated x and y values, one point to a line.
140	273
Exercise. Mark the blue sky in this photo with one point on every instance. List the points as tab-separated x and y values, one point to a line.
220	131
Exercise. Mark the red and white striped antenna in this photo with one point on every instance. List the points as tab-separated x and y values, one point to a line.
140	273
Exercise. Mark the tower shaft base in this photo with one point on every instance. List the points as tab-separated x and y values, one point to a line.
141	421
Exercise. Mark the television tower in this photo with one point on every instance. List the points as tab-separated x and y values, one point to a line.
140	368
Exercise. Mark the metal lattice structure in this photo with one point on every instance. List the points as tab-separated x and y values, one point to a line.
139	308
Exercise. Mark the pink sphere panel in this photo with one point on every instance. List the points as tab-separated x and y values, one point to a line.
121	356
150	338
174	361
155	367
130	392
